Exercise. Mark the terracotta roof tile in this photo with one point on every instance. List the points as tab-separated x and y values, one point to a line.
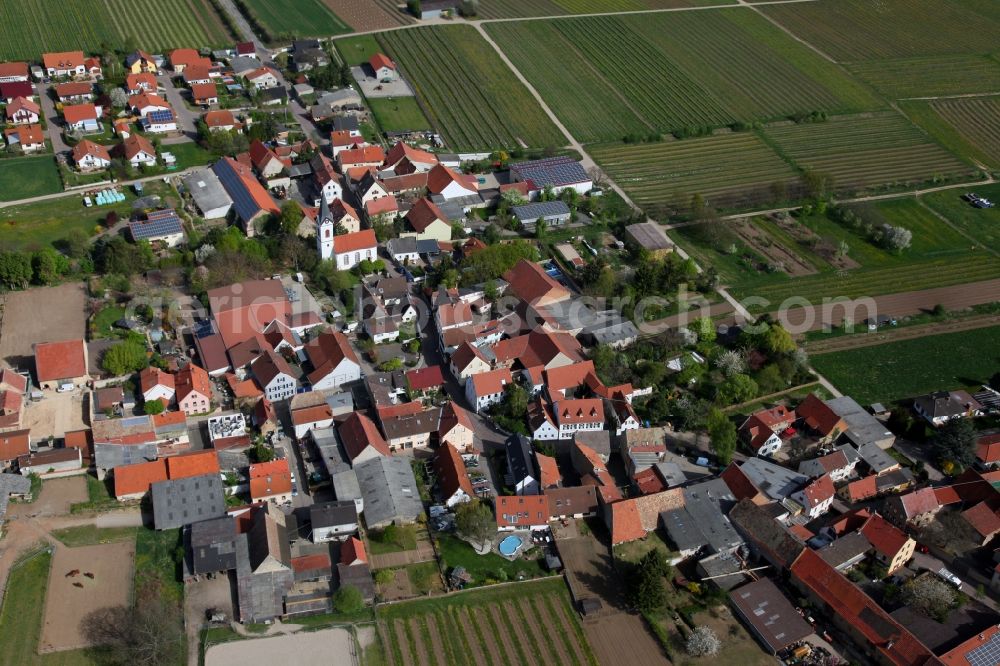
60	360
451	471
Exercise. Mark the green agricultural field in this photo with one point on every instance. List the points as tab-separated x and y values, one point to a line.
850	30
908	368
924	115
29	28
735	170
526	8
976	119
981	224
473	98
930	77
26	177
296	18
38	225
680	70
864	153
398	114
502	625
358	50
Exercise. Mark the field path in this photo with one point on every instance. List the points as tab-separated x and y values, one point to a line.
782	28
857	341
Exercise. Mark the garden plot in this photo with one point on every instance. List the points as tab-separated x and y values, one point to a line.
779	257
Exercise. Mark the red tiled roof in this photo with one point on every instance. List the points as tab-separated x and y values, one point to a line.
341	138
983	519
946	495
423	214
152	376
817	415
135	144
403	150
191	379
919	502
78	439
22	103
820	490
548	471
988	448
358	432
355	241
313	414
453	415
219	118
326	351
529	282
340	209
521	510
167	419
14	444
270	479
135	479
451	472
381	205
243	389
585	410
400	410
625	523
62	60
147	99
422	379
862	489
488	383
200	91
195	463
74	88
27	135
649	481
364	155
440	177
315	562
567	376
740	484
143	81
10	69
353	550
380	60
959	656
884	536
895	644
184	57
775	416
88	147
60	360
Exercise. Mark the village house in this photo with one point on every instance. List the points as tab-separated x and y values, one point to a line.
180	59
270	481
138	151
942	406
145	103
761	430
11	91
82	117
274	376
522	512
140	61
332	521
456	428
449	185
160	226
334	361
368	156
261	78
13	72
28	138
204	94
222	121
487	388
383	67
74	91
193	390
61	365
428	222
361	438
326	179
137	84
64	64
155	384
839	465
452	476
23	111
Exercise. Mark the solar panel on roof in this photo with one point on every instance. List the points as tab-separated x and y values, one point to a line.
986	655
162	116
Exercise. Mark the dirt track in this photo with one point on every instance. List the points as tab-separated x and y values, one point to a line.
63	317
906	333
955	297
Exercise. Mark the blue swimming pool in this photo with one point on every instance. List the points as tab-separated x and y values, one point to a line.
510	545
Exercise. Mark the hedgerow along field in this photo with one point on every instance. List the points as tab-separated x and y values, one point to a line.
678	70
733	170
471	96
908	368
32	27
505	625
930	76
864	153
851	30
297	18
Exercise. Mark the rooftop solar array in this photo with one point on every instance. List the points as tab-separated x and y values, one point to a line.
554	171
159	223
543	209
243	201
162	116
986	655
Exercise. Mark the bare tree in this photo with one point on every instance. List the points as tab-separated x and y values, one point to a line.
150	634
702	642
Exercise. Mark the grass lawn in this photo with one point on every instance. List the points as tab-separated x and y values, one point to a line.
297	18
91	535
158	557
897	370
21	617
393	539
105	319
424	577
188	154
101	497
485	569
633	551
26	177
982	224
398	114
358	50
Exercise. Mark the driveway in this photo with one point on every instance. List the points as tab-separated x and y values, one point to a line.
918	452
186	120
52	119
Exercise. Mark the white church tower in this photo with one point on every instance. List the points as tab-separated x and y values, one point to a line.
324	231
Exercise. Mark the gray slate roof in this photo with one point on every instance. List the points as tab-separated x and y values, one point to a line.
389	490
180	502
332	514
540	209
702	522
213	545
862	427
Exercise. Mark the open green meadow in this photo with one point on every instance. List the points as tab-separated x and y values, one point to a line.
31	27
983	224
472	96
526	8
908	368
26	177
850	30
358	50
930	76
680	70
871	152
297	18
728	170
398	114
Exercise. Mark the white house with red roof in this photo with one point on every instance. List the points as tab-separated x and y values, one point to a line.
156	385
383	67
456	427
325	178
368	156
65	63
816	497
145	103
90	156
341	140
403	159
23	111
334	362
349	250
261	78
450	184
12	72
487	388
466	361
